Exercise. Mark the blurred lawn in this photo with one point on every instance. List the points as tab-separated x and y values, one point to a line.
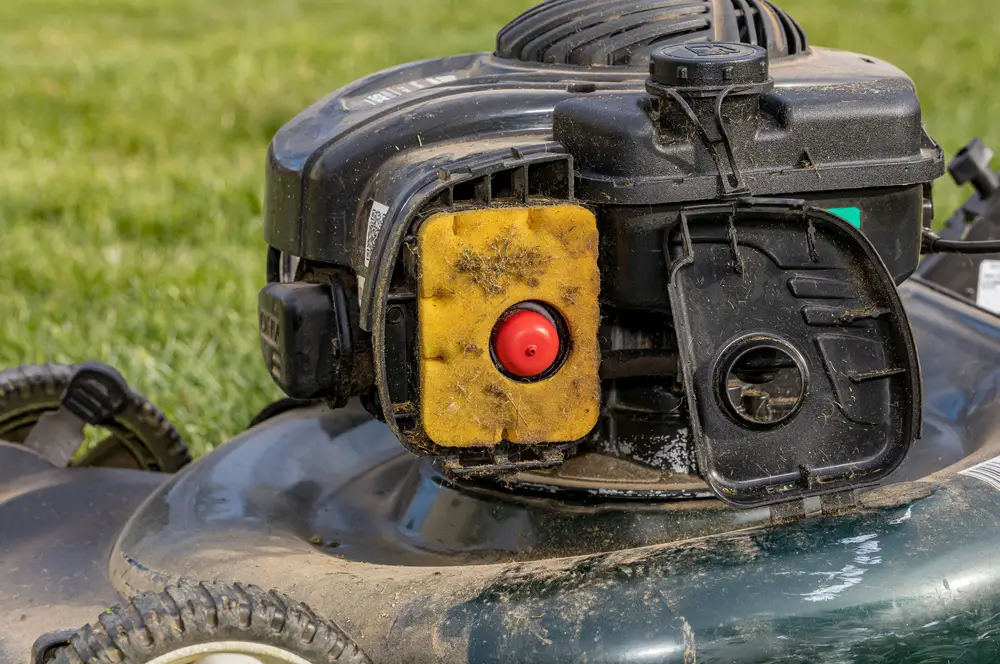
132	138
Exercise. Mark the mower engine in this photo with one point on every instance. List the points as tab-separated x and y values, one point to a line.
644	250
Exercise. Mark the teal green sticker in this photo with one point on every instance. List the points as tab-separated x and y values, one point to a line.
851	215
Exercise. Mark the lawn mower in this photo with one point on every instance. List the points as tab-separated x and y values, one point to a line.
612	345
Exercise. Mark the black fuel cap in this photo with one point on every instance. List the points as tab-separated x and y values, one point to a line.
708	64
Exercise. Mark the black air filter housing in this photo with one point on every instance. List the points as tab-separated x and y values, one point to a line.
594	34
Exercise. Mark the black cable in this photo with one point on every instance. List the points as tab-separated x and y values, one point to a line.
931	243
732	183
736	185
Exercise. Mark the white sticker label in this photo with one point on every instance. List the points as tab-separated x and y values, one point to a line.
988	293
361	287
375	220
988	471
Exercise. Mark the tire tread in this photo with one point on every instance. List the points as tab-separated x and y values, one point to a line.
189	613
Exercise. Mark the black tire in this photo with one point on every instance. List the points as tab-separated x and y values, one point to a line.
141	436
156	624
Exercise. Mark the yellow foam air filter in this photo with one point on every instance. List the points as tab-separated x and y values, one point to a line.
474	266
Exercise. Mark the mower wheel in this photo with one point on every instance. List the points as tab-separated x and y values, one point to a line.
209	623
140	437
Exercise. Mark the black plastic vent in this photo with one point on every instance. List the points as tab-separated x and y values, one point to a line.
762	24
594	33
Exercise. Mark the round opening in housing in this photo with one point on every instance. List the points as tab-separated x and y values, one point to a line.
762	380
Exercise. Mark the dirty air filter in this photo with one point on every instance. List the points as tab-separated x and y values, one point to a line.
645	249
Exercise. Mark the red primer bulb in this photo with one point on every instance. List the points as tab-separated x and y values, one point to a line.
526	344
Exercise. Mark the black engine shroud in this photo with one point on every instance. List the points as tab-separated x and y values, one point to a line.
757	200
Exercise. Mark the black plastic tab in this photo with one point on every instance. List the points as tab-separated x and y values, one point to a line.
302	339
96	393
972	164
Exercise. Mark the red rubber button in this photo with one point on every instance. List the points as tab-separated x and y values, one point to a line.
526	344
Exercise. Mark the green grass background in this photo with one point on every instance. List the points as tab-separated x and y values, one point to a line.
132	140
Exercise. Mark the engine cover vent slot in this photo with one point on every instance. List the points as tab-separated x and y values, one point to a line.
762	24
621	33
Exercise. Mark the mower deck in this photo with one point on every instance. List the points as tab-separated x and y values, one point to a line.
325	506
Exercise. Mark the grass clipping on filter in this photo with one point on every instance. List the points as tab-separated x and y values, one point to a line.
504	261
